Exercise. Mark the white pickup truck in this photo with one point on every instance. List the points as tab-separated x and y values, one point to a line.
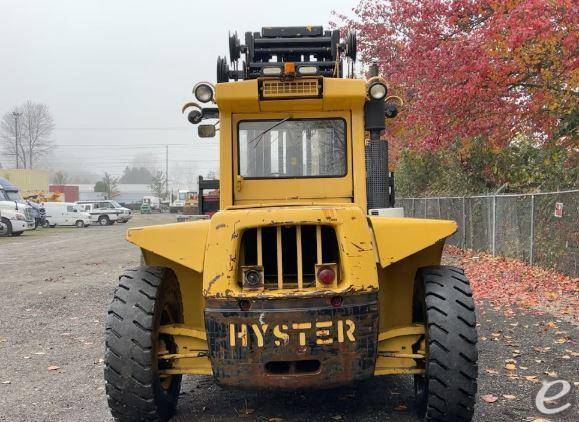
16	217
105	212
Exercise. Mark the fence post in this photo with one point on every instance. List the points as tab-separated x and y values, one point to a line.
531	257
439	211
463	223
495	217
494	224
413	208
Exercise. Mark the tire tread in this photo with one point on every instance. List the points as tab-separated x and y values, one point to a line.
452	359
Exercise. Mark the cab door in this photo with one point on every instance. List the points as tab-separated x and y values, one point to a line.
292	157
70	215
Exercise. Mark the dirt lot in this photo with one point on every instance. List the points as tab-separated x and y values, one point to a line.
54	289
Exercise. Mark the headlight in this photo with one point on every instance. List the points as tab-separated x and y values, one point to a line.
307	70
203	92
20	217
271	71
377	90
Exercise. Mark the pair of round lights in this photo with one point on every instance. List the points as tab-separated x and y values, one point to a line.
203	92
377	90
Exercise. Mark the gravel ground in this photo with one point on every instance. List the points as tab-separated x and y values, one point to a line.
55	286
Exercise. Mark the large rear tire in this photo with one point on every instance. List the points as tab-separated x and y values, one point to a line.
447	391
146	298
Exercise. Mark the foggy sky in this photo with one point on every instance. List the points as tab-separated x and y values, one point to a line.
106	64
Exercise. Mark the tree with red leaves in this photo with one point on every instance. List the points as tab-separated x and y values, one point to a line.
490	69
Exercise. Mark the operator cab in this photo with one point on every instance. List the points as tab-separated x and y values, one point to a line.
292	118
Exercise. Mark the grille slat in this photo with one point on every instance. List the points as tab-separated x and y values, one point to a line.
279	255
299	258
288	254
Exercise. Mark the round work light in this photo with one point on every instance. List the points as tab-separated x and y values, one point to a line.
203	92
377	90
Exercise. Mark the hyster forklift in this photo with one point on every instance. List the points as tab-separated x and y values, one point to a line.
306	277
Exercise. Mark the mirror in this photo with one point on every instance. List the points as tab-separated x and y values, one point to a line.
206	131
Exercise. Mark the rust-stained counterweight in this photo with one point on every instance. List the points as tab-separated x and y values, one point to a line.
287	343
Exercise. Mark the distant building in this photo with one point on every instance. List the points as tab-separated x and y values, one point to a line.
129	193
28	180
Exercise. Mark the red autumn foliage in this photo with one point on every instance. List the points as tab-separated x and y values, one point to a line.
475	68
506	282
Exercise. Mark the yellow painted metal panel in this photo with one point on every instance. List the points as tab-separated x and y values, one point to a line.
183	243
237	97
344	94
359	157
191	285
225	161
397	238
357	257
293	105
397	287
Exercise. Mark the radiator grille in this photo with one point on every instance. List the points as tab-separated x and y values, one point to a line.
297	88
28	214
288	254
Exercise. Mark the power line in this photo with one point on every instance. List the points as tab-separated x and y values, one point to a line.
105	129
133	146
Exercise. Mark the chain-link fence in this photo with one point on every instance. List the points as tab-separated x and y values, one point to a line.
541	229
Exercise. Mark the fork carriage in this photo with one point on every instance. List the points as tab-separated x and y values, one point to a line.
292	284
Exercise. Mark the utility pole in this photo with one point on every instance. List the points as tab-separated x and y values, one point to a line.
166	169
16	115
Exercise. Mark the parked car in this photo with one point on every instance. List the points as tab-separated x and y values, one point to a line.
66	214
106	212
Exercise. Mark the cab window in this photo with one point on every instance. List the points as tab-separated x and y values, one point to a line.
292	148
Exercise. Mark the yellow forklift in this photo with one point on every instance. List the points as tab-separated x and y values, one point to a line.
307	276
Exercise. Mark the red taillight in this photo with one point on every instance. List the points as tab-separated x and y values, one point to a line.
336	301
326	275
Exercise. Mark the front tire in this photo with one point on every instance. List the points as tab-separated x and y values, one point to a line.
104	220
146	298
80	224
447	391
8	225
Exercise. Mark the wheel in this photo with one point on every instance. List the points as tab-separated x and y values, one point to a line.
80	224
8	225
444	302
45	224
104	220
146	298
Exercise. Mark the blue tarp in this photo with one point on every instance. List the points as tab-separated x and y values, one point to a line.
8	186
